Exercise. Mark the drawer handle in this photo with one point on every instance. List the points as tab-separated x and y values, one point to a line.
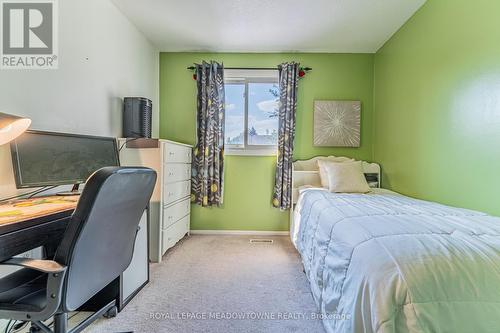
170	194
171	153
170	173
170	217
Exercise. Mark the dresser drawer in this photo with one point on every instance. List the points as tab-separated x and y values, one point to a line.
176	172
174	233
177	153
175	191
175	212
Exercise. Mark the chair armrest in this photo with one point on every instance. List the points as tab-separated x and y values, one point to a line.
45	266
55	279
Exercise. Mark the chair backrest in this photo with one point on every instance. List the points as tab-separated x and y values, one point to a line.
98	243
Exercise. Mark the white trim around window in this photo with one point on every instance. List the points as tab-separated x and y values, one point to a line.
252	151
251	73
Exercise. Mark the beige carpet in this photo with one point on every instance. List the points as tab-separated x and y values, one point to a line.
222	284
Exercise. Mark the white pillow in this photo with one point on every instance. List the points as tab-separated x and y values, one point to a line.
323	176
347	177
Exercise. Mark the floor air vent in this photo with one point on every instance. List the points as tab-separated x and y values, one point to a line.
261	241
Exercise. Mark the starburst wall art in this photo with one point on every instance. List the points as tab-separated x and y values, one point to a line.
337	123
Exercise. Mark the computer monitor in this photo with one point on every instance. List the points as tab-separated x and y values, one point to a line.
48	158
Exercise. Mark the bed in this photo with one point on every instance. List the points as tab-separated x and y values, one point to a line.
384	262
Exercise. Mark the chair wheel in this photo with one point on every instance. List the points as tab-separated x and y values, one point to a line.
111	313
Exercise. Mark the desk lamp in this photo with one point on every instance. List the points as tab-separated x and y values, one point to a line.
11	127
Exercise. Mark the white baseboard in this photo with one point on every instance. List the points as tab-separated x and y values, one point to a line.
240	232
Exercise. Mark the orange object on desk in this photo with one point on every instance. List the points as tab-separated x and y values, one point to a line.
22	210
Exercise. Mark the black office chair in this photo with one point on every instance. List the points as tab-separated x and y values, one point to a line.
96	248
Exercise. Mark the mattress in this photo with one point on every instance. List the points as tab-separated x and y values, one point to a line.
383	262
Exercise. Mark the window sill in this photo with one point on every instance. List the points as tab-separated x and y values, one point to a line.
250	152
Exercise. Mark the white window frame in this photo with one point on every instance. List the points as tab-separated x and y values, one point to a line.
242	76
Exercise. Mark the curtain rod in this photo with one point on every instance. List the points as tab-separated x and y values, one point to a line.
256	68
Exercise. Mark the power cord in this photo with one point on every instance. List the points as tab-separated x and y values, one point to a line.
20	195
42	190
130	140
19	327
126	141
7	330
29	194
15	328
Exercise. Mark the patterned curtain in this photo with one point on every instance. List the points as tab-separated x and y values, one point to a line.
288	83
208	165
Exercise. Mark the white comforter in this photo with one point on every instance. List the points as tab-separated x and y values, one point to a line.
388	263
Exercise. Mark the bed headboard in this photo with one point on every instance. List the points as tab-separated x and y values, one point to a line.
305	172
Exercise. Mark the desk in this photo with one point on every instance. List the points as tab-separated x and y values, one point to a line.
19	211
31	223
28	224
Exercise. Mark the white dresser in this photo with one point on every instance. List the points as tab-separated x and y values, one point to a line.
170	203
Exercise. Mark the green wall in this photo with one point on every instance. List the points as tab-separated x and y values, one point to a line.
437	105
249	180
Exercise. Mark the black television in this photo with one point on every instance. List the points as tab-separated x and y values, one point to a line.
47	158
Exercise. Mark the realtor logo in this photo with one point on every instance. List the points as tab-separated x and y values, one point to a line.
29	34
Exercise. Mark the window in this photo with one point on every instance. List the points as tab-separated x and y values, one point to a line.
252	98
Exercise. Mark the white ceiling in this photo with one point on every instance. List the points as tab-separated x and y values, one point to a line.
343	26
